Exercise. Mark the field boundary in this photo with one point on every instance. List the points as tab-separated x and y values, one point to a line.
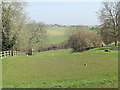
8	53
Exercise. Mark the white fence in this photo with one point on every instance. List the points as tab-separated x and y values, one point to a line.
7	53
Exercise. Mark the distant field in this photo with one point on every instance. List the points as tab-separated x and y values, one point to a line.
62	69
56	35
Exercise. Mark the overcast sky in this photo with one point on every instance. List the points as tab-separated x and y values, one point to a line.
68	13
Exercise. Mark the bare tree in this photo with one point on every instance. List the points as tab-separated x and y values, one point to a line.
36	35
110	18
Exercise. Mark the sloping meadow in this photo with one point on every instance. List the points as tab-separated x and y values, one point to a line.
62	69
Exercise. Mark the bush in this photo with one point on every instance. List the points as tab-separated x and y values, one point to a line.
83	40
27	50
62	45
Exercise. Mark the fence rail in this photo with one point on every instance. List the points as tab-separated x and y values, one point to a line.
7	53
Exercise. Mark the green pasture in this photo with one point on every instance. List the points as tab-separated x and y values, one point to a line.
62	69
56	35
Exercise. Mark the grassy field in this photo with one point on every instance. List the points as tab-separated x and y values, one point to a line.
62	69
56	35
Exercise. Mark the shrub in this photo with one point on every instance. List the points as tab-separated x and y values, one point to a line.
27	50
62	45
84	40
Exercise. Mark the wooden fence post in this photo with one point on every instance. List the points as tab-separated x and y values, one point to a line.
2	54
10	53
15	53
7	53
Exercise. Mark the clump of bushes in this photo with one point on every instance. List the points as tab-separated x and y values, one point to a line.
63	45
84	40
27	50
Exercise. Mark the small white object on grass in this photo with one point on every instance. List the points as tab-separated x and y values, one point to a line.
85	64
107	50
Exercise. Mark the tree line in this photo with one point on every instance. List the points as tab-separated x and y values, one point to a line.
17	30
109	16
19	33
